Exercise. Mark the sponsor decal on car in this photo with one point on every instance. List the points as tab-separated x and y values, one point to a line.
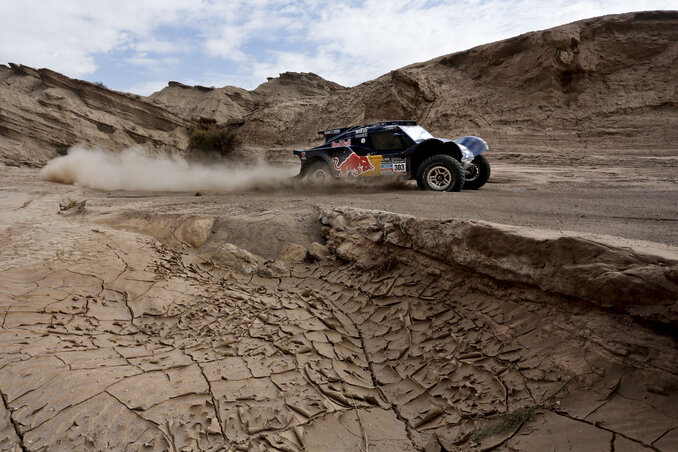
394	166
360	133
354	165
341	143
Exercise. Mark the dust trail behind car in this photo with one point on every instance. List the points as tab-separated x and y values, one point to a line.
136	170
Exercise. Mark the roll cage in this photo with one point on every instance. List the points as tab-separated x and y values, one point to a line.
332	134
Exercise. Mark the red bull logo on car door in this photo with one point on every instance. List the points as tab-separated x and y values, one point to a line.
354	164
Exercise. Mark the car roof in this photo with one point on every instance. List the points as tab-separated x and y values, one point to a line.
331	134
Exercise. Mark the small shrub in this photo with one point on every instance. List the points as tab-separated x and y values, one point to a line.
214	139
101	84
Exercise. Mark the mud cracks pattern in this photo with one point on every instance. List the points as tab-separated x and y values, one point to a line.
128	345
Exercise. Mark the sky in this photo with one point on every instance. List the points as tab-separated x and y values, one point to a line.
139	45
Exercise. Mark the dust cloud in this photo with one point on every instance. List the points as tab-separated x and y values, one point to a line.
136	170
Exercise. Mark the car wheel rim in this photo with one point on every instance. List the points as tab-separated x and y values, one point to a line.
439	178
472	172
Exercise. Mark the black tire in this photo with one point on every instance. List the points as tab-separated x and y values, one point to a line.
477	173
440	173
319	172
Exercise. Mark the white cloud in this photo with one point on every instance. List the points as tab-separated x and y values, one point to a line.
245	41
227	44
66	36
151	63
161	46
351	42
264	20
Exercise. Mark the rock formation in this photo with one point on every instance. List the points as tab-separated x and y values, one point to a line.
621	280
43	113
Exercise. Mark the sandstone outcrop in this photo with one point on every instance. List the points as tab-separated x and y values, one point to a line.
232	103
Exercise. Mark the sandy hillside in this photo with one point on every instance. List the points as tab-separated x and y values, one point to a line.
152	302
43	113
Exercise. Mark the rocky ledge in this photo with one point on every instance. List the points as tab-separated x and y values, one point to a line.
642	283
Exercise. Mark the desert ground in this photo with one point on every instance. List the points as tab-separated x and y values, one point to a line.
537	313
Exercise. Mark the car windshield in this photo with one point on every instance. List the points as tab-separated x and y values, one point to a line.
417	133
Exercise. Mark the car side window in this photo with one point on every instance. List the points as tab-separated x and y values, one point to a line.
361	142
387	140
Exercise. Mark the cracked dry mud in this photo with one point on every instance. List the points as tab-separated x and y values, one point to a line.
111	340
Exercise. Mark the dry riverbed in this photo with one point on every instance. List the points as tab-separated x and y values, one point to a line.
280	320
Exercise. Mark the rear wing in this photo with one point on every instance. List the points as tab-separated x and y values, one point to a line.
333	132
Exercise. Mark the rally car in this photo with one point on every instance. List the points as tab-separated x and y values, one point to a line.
398	148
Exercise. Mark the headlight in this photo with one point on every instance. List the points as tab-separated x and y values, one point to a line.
465	153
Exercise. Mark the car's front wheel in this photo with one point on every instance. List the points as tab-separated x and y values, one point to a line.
440	173
477	173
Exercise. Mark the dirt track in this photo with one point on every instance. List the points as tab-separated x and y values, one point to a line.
111	339
635	200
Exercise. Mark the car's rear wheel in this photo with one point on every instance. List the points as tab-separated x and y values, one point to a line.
318	172
477	173
440	173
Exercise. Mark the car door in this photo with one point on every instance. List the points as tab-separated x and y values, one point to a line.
390	144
